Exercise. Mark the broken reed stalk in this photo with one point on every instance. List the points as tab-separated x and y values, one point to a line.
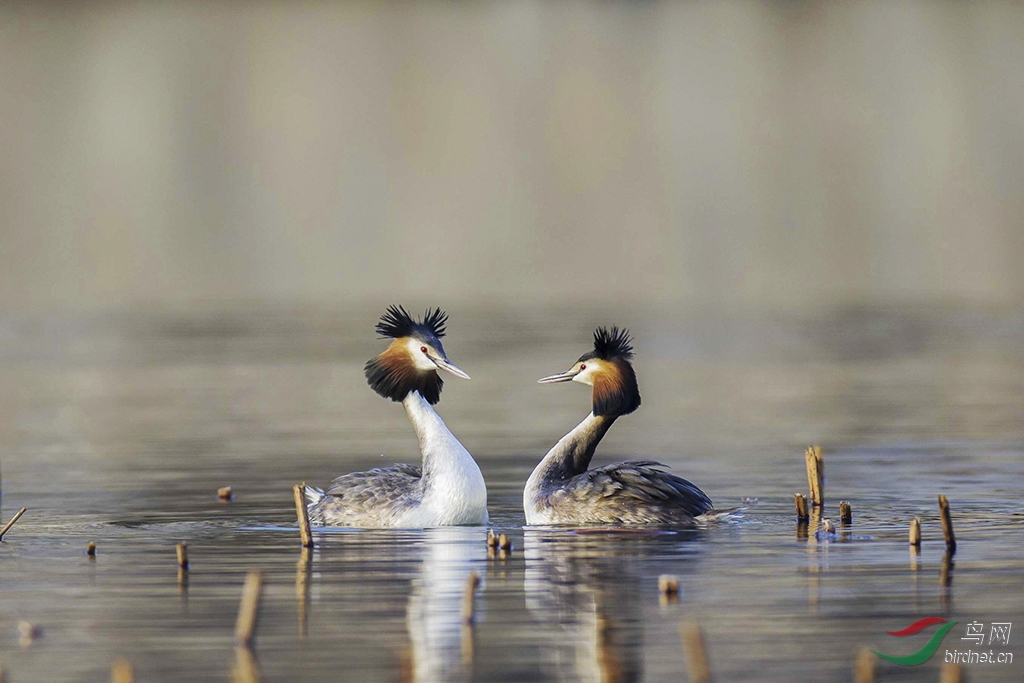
504	543
466	643
248	609
864	666
303	572
469	598
182	551
668	584
298	491
28	633
245	668
90	549
224	493
815	462
947	524
951	673
613	661
406	666
845	512
14	519
492	539
915	532
800	503
122	671
946	573
697	661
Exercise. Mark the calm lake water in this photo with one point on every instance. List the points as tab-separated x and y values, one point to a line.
119	428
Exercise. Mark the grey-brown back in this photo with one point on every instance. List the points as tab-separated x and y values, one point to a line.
631	492
369	499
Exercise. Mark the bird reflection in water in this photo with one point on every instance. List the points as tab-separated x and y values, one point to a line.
586	587
442	642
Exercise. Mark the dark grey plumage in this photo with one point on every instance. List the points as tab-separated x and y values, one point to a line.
631	492
562	490
367	499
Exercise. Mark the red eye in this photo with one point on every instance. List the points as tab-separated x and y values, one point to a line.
583	366
423	349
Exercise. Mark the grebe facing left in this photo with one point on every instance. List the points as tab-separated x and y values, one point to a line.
562	490
448	489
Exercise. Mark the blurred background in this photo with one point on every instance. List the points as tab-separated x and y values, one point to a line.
809	214
779	155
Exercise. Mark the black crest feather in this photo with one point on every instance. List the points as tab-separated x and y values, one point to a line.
614	344
396	322
436	321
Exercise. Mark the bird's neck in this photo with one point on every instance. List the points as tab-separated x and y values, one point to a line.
443	456
574	451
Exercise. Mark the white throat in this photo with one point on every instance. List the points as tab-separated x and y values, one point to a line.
454	488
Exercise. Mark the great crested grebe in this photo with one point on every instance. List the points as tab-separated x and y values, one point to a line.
562	490
448	489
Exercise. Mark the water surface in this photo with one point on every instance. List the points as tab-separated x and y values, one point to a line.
119	428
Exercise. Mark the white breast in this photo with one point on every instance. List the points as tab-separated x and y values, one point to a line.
456	493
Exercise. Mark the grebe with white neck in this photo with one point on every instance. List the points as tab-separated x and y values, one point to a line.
448	489
562	490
